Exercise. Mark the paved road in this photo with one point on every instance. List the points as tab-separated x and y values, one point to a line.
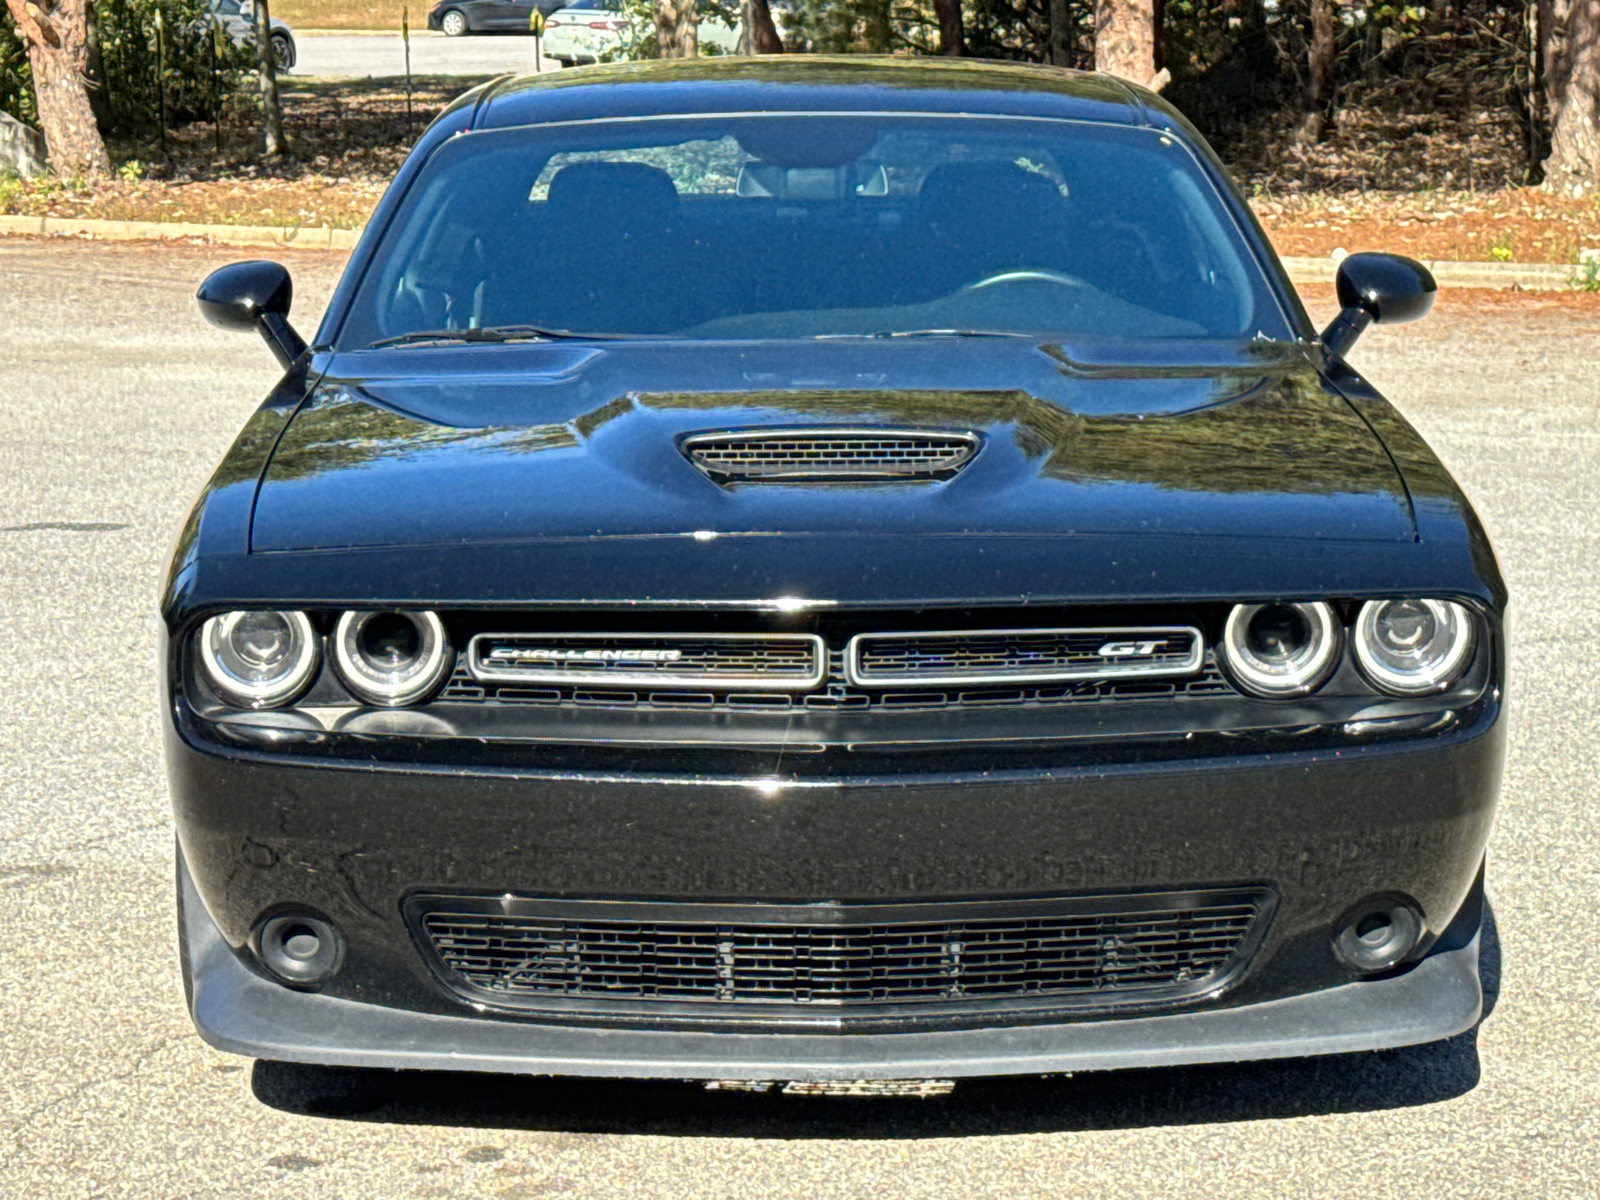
343	56
108	428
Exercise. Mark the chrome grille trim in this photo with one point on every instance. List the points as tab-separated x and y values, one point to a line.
944	650
838	454
781	662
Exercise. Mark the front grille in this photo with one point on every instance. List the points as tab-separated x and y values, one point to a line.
1106	949
836	694
756	661
820	455
1021	655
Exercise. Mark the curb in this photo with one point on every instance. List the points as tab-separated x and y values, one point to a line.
1527	276
395	32
315	237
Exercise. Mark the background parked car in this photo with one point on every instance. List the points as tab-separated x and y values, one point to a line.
586	30
459	17
238	22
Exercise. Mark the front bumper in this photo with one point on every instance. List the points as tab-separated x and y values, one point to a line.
1320	829
238	1011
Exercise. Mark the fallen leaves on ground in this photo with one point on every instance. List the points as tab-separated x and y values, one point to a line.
1511	225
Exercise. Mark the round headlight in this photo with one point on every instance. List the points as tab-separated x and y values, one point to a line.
259	659
1413	647
1278	650
391	658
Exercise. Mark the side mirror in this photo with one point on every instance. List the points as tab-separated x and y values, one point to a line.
253	295
1377	289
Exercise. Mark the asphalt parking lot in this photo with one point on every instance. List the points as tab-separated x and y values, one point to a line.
117	400
363	55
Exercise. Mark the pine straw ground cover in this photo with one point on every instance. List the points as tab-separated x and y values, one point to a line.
348	138
1512	225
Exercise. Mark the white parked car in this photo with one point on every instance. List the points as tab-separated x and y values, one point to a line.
238	18
587	30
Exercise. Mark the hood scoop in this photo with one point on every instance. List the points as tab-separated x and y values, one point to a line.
830	455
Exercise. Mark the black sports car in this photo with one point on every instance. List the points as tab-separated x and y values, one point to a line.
826	569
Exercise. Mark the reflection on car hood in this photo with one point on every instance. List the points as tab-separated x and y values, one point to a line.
451	446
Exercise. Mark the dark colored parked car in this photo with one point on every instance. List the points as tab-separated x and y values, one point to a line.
907	592
459	17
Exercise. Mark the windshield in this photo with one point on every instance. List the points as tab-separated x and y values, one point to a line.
804	226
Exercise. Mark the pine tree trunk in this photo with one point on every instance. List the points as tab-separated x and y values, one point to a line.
1319	73
1569	35
952	40
676	35
267	65
1125	42
760	34
1061	33
878	29
57	54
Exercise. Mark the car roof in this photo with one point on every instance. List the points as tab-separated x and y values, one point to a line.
817	83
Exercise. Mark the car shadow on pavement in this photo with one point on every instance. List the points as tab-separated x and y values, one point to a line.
1303	1087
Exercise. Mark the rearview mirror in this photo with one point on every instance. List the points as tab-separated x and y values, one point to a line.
253	295
1377	289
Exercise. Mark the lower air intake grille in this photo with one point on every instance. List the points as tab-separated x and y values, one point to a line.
821	455
1106	949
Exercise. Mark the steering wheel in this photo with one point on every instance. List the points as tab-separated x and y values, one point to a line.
1060	278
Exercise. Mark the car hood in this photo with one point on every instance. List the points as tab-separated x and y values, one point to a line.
537	443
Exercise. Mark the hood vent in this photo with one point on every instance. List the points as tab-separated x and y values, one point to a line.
831	455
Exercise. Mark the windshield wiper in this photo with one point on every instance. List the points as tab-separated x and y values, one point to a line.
922	333
493	333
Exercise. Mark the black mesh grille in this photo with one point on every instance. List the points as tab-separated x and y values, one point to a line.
969	955
861	454
998	656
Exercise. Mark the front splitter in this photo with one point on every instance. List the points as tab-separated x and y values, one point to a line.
241	1012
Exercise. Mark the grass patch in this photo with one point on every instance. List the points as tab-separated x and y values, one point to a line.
349	14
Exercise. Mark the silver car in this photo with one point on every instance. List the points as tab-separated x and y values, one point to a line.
238	20
587	31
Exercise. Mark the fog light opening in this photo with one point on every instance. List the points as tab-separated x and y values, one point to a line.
302	944
1374	929
1381	933
299	949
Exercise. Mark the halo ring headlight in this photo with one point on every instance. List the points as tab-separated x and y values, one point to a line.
259	658
390	657
1413	647
1281	650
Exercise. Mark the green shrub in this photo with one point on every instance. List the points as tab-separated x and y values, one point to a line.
197	71
16	79
200	69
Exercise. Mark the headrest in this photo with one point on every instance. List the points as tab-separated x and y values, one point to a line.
629	192
959	194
